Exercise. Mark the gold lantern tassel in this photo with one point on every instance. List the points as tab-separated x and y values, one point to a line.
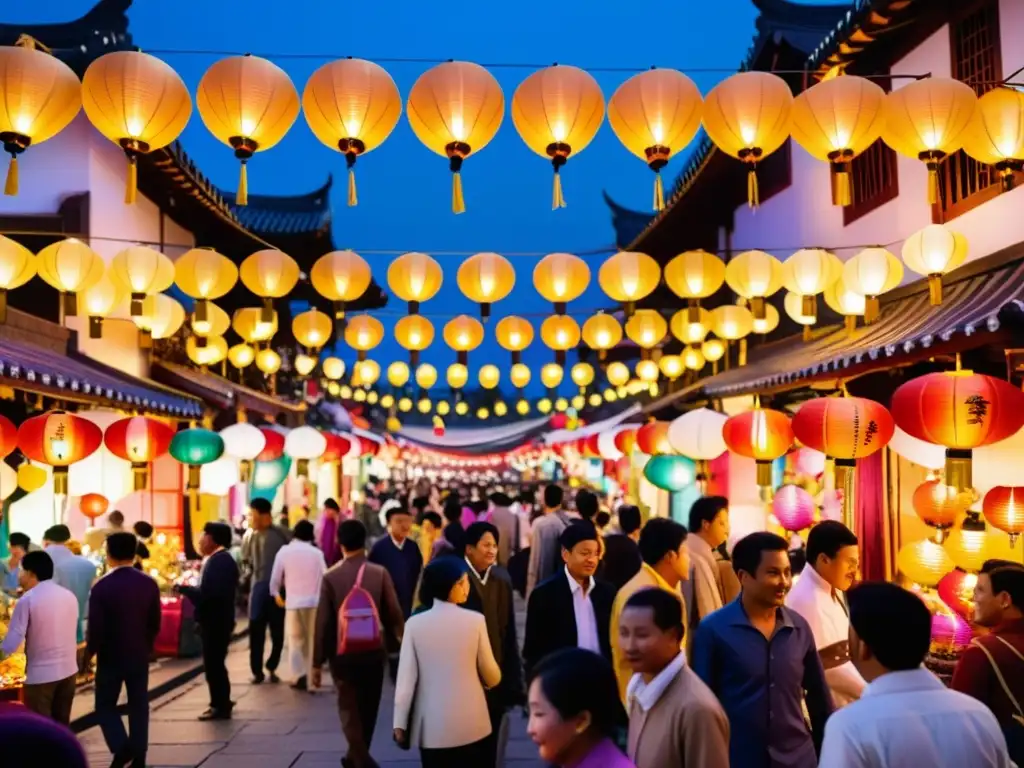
11	187
742	359
935	289
132	182
871	308
557	199
242	198
807	333
753	194
353	199
933	183
851	324
842	193
659	193
458	202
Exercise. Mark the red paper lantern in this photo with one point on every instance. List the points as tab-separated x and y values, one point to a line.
652	438
762	435
938	504
140	440
1004	508
59	438
93	505
625	440
845	428
274	448
368	447
956	589
558	421
8	437
960	410
590	447
337	447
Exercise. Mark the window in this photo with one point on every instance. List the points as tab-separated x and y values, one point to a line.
874	179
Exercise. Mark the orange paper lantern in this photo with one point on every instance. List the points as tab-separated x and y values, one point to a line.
763	435
1003	507
625	440
653	439
8	436
60	439
140	440
93	505
938	504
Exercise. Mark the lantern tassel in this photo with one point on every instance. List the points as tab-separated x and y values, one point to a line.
842	189
933	183
242	197
11	187
659	193
807	333
353	198
132	183
458	202
753	193
742	358
871	308
935	289
3	305
557	199
851	323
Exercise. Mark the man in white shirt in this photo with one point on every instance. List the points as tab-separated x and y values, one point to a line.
298	571
46	619
832	559
906	716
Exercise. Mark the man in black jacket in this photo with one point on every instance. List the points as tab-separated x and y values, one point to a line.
491	594
214	600
622	559
570	609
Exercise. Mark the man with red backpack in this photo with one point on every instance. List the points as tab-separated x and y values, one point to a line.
359	620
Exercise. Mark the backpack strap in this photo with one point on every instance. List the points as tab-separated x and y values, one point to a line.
1019	717
359	576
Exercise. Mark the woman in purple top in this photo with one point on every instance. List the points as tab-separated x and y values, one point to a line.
327	532
575	711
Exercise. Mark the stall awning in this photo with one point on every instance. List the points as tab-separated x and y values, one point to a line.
595	428
79	378
476	440
225	394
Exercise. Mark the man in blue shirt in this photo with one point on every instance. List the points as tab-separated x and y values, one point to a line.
760	659
71	571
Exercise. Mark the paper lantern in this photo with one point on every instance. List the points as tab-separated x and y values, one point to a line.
796	309
655	114
414	333
463	334
303	444
809	272
843	301
1003	507
601	332
520	375
268	361
455	109
204	275
246	323
692	359
333	368
141	441
646	328
835	120
218	477
216	323
688	331
161	318
365	374
967	546
241	356
210	352
731	322
625	440
273	445
398	374
560	333
414	278
341	277
351	105
582	375
557	111
93	505
17	267
761	434
698	434
268	475
872	272
486	278
141	272
426	376
845	428
269	274
629	276
98	301
671	366
195	447
560	278
489	376
939	505
8	437
694	275
305	364
995	134
522	407
956	590
793	507
747	116
647	371
924	454
514	334
617	373
69	266
312	328
31	478
551	375
926	119
249	104
338	447
8	481
652	438
606	447
768	323
457	375
670	473
244	442
362	333
960	410
950	634
58	439
932	252
808	461
138	102
754	275
924	562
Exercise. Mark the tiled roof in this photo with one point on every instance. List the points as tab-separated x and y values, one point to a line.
855	30
223	393
283	214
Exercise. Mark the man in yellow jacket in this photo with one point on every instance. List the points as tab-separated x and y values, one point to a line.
666	563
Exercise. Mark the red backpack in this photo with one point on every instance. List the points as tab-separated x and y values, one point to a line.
358	621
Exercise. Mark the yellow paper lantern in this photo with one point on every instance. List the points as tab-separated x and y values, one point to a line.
523	407
457	375
71	267
333	368
561	405
927	119
141	272
414	333
655	114
305	364
500	409
242	355
31	478
748	116
647	371
924	562
520	375
796	308
455	109
835	120
463	334
312	328
768	323
551	375
514	334
204	275
351	105
341	277
582	375
426	376
249	104
386	401
601	332
482	413
671	366
754	275
161	318
443	408
694	275
809	272
270	275
713	350
461	408
206	351
398	374
414	278
687	330
995	134
41	96
969	545
249	324
646	328
578	402
138	102
871	272
731	322
845	302
629	276
595	400
557	111
424	405
560	333
489	376
405	404
216	323
544	405
617	374
363	333
365	373
99	300
17	267
693	359
486	278
560	278
932	252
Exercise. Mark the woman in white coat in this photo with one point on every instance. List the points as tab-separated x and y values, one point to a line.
446	657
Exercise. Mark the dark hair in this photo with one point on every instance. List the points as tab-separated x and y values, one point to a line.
122	546
39	564
1009	579
602	518
629	518
500	499
401	509
420	503
332	504
116	517
667	608
990	565
577	531
894	623
352	535
58	534
220	533
19	540
705	510
143	529
260	506
429	516
440	575
576	680
452	508
586	504
303	530
827	538
553	496
476	531
659	537
479	506
746	555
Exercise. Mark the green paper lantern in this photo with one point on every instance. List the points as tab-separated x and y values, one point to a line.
196	447
670	473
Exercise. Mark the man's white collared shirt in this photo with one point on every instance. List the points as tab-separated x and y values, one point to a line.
486	575
299	567
583	608
646	695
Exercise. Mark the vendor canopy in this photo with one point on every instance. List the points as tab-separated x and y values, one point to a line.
477	440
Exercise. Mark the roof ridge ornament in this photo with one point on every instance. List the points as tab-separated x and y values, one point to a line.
27	41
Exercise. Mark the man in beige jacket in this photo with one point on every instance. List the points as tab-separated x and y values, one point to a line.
709	529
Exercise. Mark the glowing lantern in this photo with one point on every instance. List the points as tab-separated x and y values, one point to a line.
99	300
793	507
761	434
414	333
692	359
835	120
461	408
601	332
138	102
71	267
59	439
652	438
273	445
32	478
968	545
455	109
560	278
463	334
216	323
926	120
141	272
932	252
646	328
655	114
809	272
337	447
139	440
713	350
582	375
960	410
768	323
489	376
206	351
747	116
486	278
519	375
93	505
754	275
443	408
731	322
365	374
204	275
846	302
268	361
398	374
617	374
995	134
305	364
244	442
670	473
924	454
551	375
457	375
924	562
939	505
8	437
672	367
698	435
414	278
956	589
694	275
949	633
312	328
363	333
647	371
795	307
557	111
629	276
304	444
1001	509
482	413
687	331
424	406
352	106
161	318
871	273
340	277
270	275
426	376
17	267
247	324
249	104
195	447
560	333
523	407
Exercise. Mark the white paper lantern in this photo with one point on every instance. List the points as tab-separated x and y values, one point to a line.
101	472
998	464
304	444
698	434
218	477
606	445
243	441
927	455
8	481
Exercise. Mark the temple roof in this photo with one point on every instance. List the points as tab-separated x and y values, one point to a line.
628	223
285	214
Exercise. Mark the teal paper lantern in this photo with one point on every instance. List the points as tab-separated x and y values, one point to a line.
267	476
670	473
196	447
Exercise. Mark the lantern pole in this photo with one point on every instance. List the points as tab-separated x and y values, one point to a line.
845	473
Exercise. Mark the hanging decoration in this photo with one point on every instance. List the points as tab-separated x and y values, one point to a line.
340	277
463	334
415	278
754	275
995	134
58	439
195	447
870	273
17	267
763	435
939	505
794	508
244	442
652	438
415	333
1003	507
697	434
932	252
924	562
514	334
687	331
694	275
670	473
141	272
161	318
141	441
846	303
560	333
204	274
560	278
71	267
93	505
968	546
807	273
629	276
99	300
601	332
486	278
363	333
269	274
646	328
304	444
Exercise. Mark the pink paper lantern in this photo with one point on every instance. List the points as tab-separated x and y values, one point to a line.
793	508
808	461
950	632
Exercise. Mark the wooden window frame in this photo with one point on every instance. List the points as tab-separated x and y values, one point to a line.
885	161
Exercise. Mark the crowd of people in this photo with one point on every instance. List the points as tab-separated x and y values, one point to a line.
646	643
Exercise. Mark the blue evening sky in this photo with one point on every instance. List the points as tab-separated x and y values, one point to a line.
404	189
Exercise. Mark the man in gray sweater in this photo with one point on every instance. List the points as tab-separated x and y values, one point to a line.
545	552
259	548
